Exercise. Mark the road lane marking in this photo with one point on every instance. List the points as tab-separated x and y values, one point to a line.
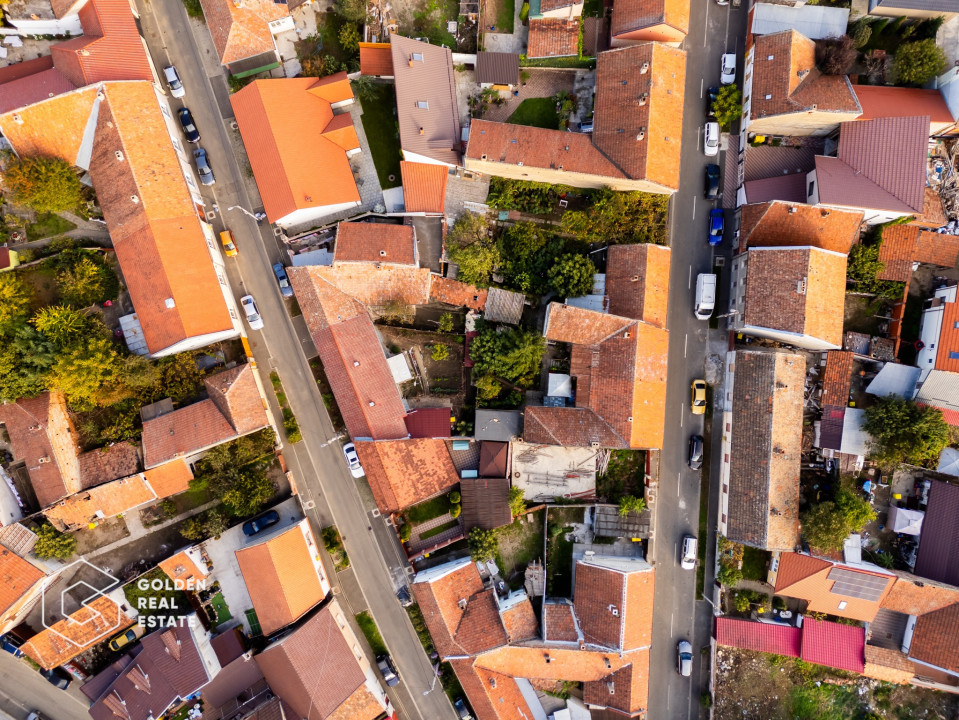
672	618
694	213
690	285
686	345
702	84
679	479
682	412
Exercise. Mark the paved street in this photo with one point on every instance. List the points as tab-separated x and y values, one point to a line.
19	681
677	614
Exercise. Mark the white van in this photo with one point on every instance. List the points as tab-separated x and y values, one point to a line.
688	560
705	296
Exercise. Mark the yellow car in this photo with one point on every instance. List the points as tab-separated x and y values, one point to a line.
698	399
126	638
229	247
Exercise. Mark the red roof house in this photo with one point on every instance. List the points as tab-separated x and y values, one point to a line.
761	637
833	645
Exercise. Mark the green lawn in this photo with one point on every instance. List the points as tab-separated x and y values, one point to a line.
499	13
382	134
222	610
427	510
371	632
432	532
48	225
536	112
754	564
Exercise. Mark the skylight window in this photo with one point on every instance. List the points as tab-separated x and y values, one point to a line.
422	105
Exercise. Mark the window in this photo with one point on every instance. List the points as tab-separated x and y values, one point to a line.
842	604
422	105
953	355
812	189
418	57
956	324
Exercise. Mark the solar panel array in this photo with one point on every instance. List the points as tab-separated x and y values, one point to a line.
861	586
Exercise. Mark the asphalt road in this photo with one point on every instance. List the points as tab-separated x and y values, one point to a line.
322	478
678	614
23	689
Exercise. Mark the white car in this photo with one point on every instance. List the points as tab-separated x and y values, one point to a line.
252	312
353	460
684	658
711	138
727	72
690	546
173	80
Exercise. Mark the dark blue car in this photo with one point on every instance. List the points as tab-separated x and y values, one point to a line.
282	280
715	226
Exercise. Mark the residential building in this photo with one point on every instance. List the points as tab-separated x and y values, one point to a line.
405	472
913	8
880	168
243	32
905	247
45	17
883	101
234	408
815	22
485	500
94	623
498	425
424	187
187	566
336	683
290	127
429	422
21	584
635	142
779	223
498	70
380	243
426	101
559	9
762	447
637	21
938	555
836	383
376	59
939	333
284	575
784	93
551	37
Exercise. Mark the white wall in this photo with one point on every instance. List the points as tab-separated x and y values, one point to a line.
930	328
799	340
312	214
69	25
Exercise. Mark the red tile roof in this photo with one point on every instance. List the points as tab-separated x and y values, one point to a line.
242	30
520	622
17	578
429	423
637	282
376	59
632	15
553	37
454	292
559	623
613	598
236	395
814	581
761	637
887	101
779	223
96	622
104	501
104	464
402	473
386	243
837	378
934	639
424	186
26	88
902	245
833	645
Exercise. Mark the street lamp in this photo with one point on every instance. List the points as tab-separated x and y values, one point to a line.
256	216
436	674
726	315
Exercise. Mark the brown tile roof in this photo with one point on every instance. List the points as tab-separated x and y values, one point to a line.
568	426
559	622
500	68
796	290
404	472
938	556
485	502
886	101
103	501
933	212
520	622
42	435
432	131
108	463
492	695
815	587
624	585
272	115
454	292
424	186
170	478
887	665
369	242
17	578
578	326
242	30
376	59
934	639
494	459
638	115
237	396
902	245
564	664
553	37
637	282
837	378
632	15
92	624
881	165
794	567
785	70
375	285
779	223
182	567
30	82
765	449
914	596
626	690
282	576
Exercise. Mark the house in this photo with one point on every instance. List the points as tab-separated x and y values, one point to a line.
853	592
424	187
243	32
402	473
559	9
376	59
187	567
789	294
938	555
337	682
21	584
939	333
233	408
429	422
45	18
504	306
9	259
785	94
940	389
485	500
290	127
283	574
912	8
815	22
92	624
637	21
883	101
903	247
498	425
880	168
836	382
173	664
635	142
498	70
762	444
551	37
426	101
779	223
381	243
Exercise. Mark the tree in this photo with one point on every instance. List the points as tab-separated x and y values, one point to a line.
192	529
916	63
243	491
630	504
321	65
861	34
517	505
85	283
350	39
572	276
487	388
483	544
905	432
215	522
406	532
835	56
26	357
446	322
45	184
62	325
514	355
14	300
352	10
476	262
863	268
365	89
470	229
728	106
52	544
88	372
827	524
620	217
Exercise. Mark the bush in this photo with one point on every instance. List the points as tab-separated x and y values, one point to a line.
483	544
629	504
916	63
52	544
45	184
517	504
861	34
728	106
291	427
168	508
446	323
572	276
455	510
406	532
455	497
835	56
439	352
487	388
514	355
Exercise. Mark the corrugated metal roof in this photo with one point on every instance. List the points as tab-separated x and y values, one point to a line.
428	423
855	440
834	645
814	21
830	427
940	389
938	557
499	68
485	503
894	379
762	637
504	306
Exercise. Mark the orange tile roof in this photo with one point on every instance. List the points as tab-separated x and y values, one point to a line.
888	101
333	88
780	223
553	37
559	623
934	639
402	473
815	587
170	478
376	59
95	623
837	378
454	292
626	690
637	282
242	30
237	396
902	245
369	242
638	115
520	622
282	122
341	132
631	15
281	578
375	286
182	567
914	596
625	584
564	664
100	502
424	186
491	695
17	578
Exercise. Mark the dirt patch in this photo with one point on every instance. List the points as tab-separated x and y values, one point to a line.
519	544
326	392
106	532
441	378
860	315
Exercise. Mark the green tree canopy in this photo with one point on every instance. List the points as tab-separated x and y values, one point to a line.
353	10
916	63
52	544
84	370
471	248
26	357
572	276
827	524
514	355
517	504
14	300
620	217
86	282
728	106
905	432
243	490
350	39
630	504
62	325
483	544
44	184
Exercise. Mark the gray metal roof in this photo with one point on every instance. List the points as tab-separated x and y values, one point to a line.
931	5
894	379
502	425
813	21
940	389
504	306
938	557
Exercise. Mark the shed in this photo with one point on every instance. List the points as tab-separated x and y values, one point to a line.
560	385
494	459
504	306
428	423
894	379
903	520
497	68
485	503
502	425
399	368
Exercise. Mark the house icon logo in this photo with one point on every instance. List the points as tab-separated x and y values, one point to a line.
74	612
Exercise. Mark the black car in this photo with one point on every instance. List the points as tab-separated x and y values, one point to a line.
387	670
712	191
461	712
261	523
695	458
711	95
58	678
189	127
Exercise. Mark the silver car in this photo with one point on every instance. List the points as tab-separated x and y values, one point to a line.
252	312
727	72
203	167
684	658
173	80
353	460
711	138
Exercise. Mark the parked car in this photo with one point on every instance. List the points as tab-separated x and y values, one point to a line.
461	712
353	460
173	80
388	670
711	138
698	399
286	290
716	226
727	69
261	523
12	644
131	635
688	559
252	312
228	243
711	95
695	459
35	715
203	167
684	658
58	678
712	191
189	127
